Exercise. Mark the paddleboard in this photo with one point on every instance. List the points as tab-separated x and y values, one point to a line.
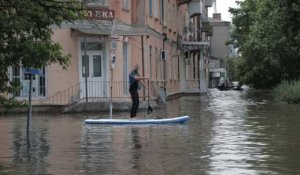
175	120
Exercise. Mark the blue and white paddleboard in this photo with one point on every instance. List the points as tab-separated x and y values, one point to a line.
182	119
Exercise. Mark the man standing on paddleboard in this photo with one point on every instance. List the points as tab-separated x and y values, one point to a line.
134	81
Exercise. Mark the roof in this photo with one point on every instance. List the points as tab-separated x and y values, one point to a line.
217	21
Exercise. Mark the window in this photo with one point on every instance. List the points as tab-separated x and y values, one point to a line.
16	79
85	65
162	63
150	8
20	77
178	68
97	67
97	2
150	58
42	83
165	12
125	68
157	63
162	10
91	46
194	66
155	8
126	4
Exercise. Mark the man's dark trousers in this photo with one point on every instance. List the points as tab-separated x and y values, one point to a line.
135	102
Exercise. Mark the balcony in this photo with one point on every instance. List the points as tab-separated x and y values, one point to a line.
208	3
195	8
180	2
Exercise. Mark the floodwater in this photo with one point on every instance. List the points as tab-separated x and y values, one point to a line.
230	132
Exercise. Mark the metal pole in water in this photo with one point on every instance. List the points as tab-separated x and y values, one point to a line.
111	81
29	111
86	70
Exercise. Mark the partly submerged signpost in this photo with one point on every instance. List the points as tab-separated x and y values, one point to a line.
31	72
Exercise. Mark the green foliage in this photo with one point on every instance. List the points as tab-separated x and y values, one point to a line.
288	91
9	103
267	35
231	66
25	33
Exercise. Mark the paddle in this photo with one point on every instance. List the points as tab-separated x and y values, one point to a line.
149	110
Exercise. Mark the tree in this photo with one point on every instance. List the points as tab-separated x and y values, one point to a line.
267	36
25	34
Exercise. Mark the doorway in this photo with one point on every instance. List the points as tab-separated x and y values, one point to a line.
92	70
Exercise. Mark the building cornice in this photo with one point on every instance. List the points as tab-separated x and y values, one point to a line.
105	28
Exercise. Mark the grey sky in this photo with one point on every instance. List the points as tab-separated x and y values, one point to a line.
223	7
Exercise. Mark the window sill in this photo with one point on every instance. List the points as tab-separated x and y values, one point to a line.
33	98
126	10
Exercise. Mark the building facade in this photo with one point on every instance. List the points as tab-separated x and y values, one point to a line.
219	50
164	37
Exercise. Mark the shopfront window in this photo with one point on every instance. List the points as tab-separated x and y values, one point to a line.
21	77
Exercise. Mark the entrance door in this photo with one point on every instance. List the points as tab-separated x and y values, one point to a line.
92	69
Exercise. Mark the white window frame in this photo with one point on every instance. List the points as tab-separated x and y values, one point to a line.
126	5
36	85
155	9
125	67
99	3
150	7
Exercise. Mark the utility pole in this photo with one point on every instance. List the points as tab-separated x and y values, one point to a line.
29	110
215	6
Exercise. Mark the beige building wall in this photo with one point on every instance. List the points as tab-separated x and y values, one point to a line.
221	34
60	79
144	48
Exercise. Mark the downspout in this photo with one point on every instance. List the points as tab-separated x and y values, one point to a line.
143	64
143	59
164	61
165	38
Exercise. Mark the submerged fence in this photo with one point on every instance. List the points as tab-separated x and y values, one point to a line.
95	91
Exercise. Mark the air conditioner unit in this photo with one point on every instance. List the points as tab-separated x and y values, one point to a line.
163	55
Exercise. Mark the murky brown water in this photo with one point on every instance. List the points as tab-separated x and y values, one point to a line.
230	132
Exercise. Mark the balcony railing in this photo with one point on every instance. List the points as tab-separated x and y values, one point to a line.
99	91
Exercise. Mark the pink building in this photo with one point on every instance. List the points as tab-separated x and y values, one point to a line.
163	36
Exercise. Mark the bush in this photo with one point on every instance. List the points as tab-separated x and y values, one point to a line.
288	91
8	104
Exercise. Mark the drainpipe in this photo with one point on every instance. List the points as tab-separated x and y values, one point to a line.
164	61
143	59
202	81
143	64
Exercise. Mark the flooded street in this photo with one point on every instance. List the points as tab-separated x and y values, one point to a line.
230	132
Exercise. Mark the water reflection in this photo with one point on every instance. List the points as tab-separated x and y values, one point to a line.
131	149
231	149
230	132
29	159
96	150
136	148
